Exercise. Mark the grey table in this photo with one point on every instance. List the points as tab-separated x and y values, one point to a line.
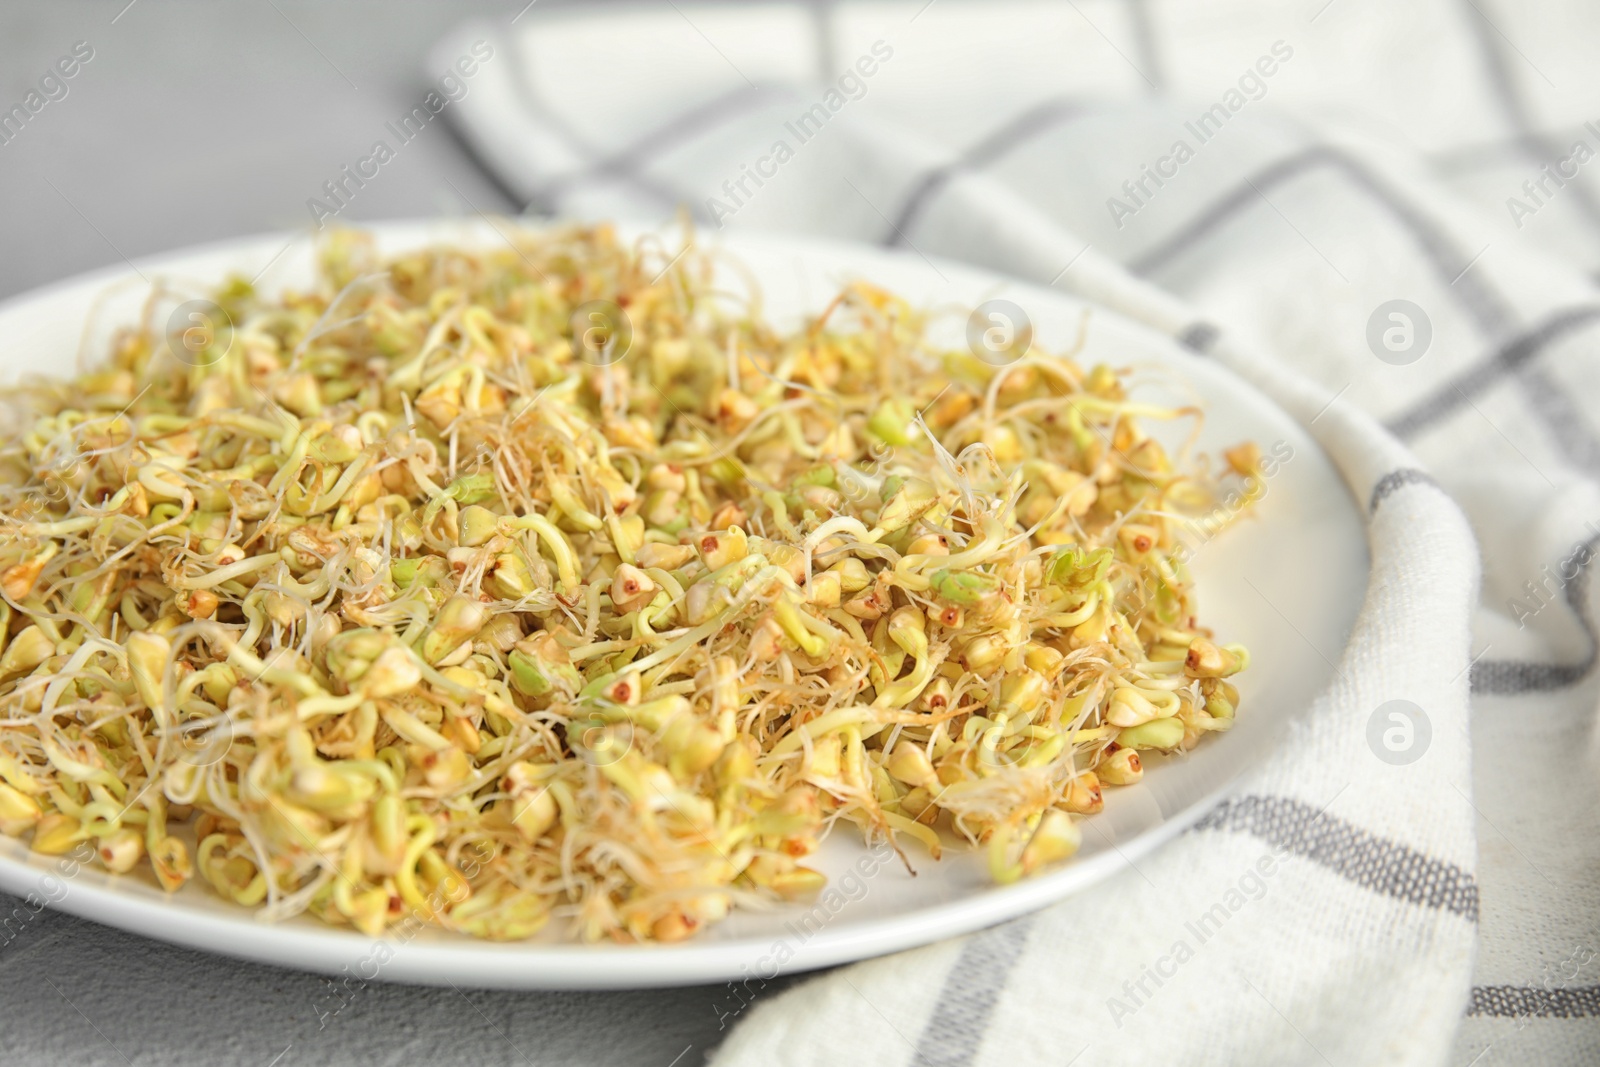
195	122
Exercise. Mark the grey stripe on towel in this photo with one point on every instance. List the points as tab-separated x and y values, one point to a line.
960	1016
1396	480
1532	1002
1363	857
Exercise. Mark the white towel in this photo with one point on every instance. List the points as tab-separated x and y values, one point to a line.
1263	181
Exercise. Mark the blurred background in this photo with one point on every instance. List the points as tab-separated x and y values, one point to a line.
194	122
198	121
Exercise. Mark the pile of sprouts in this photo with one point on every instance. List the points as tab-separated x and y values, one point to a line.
479	586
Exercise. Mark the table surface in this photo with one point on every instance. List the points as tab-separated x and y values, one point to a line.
192	123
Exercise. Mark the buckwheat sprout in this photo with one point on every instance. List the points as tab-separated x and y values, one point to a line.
399	608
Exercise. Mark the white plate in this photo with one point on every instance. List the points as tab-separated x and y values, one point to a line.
1304	553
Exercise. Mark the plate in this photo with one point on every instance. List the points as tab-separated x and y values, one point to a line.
1286	581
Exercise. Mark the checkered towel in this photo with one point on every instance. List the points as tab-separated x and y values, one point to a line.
1384	215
